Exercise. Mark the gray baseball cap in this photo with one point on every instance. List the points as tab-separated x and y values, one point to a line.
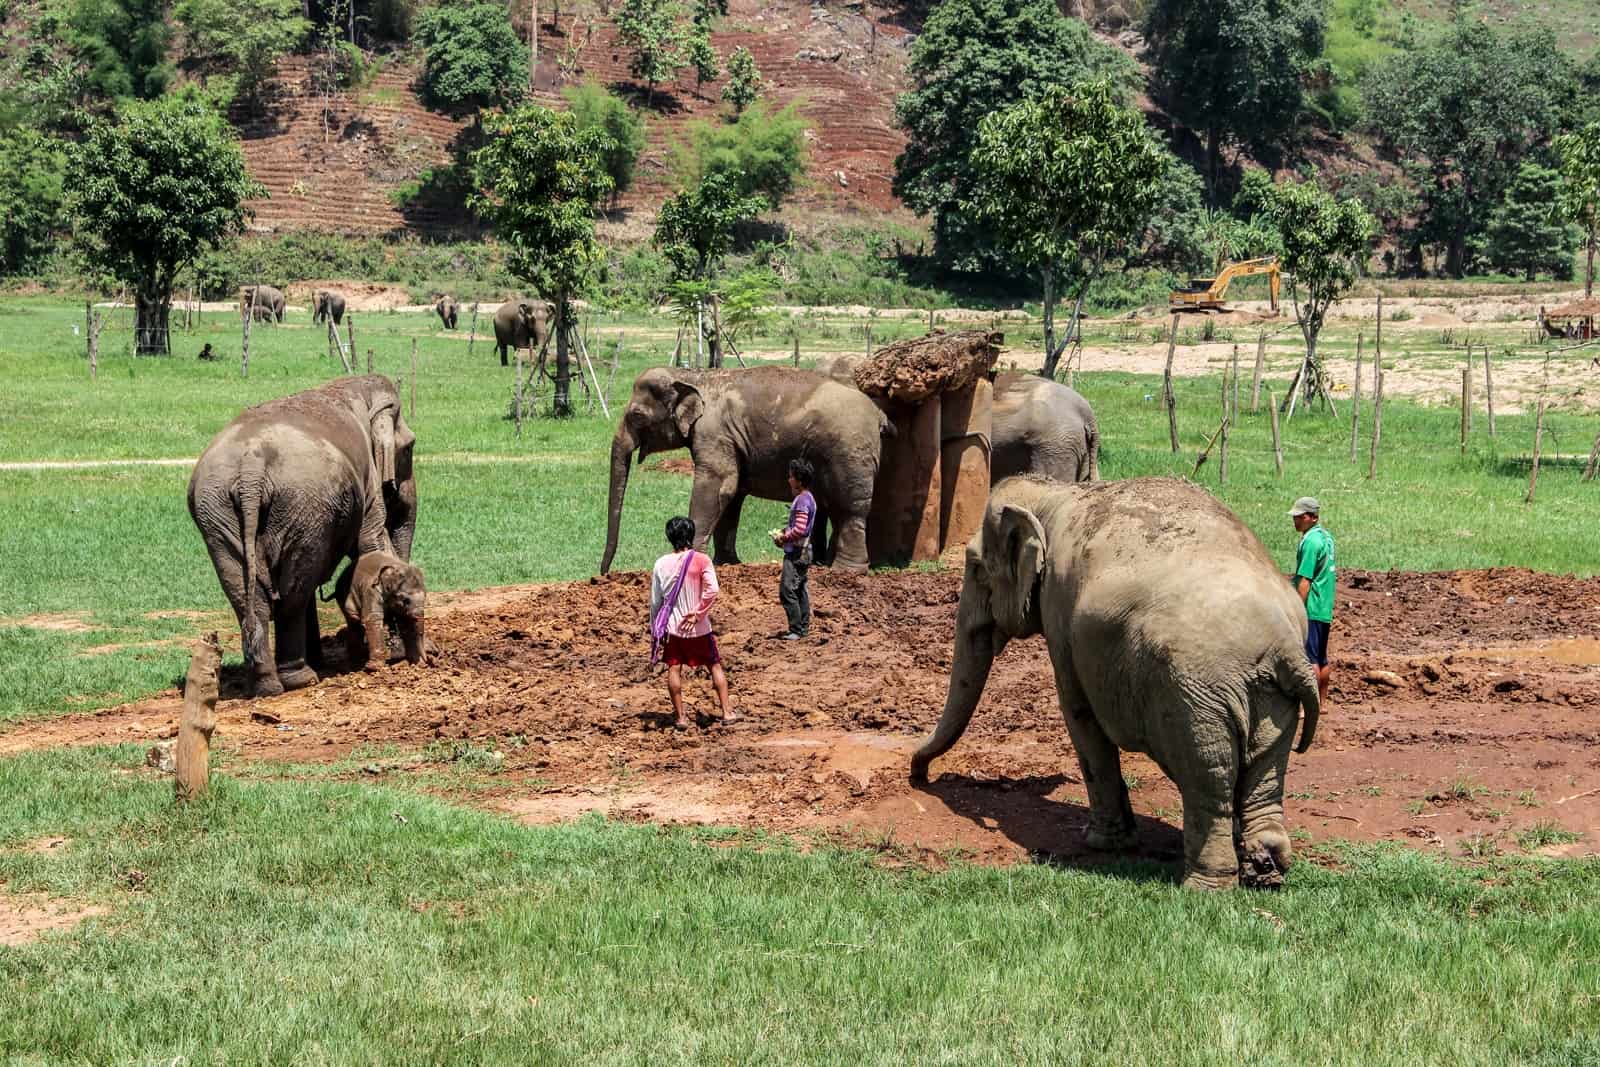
1306	505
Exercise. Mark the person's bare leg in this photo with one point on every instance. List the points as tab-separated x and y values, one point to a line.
675	687
719	679
1324	677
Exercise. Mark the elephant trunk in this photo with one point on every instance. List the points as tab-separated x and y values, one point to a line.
622	448
977	644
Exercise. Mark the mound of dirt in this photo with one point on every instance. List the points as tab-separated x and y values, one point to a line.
358	295
912	370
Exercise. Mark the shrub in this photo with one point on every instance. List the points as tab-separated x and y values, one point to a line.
595	108
472	58
764	152
32	167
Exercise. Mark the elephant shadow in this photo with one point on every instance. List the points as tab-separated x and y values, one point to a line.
233	680
1052	830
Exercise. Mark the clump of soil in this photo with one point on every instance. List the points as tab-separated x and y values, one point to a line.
912	370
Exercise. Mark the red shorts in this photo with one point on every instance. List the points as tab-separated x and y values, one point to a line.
691	651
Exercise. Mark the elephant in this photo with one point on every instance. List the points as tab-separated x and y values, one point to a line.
262	297
522	324
376	589
1171	632
329	305
447	309
743	427
286	491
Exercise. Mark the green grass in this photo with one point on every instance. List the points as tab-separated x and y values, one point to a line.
388	928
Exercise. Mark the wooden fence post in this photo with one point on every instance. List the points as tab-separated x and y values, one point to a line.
333	338
1466	406
199	719
1233	400
1255	380
517	409
1227	418
472	331
92	340
1538	432
350	337
1377	393
797	350
1594	460
1277	441
1166	388
413	377
1355	402
244	351
1488	388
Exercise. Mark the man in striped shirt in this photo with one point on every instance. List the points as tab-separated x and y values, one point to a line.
795	540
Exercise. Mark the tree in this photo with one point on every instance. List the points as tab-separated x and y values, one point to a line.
122	47
596	109
650	29
150	191
1527	232
32	168
472	57
1063	180
1579	153
744	80
702	57
1232	70
1467	106
694	231
764	152
541	178
241	38
1323	245
974	58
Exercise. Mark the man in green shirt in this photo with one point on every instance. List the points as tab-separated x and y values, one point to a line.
1313	580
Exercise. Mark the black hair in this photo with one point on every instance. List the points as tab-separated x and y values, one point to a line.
680	532
800	470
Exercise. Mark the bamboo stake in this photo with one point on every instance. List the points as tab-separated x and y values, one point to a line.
1277	441
244	351
1594	460
517	408
199	719
1233	402
796	350
350	336
472	331
1221	429
1227	417
616	361
1355	402
88	340
1255	379
413	377
589	363
1377	394
1488	388
1166	388
1466	406
1468	393
333	339
1538	433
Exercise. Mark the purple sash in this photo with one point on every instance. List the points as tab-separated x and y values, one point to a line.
658	625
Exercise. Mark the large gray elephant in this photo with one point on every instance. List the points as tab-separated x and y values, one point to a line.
447	309
261	298
522	323
1171	631
284	493
742	428
330	305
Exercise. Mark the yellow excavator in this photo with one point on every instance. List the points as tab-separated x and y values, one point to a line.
1207	294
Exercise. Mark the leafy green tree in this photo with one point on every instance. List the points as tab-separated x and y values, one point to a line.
1466	107
541	178
702	57
764	152
1063	180
32	171
744	80
162	183
596	109
1323	245
650	29
694	230
472	57
706	12
974	58
122	48
1579	153
1527	232
241	38
1232	70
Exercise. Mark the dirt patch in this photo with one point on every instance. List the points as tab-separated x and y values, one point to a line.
56	622
25	918
358	295
44	845
673	465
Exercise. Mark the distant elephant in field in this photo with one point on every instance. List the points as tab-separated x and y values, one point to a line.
522	324
261	298
742	428
447	309
1171	631
330	305
376	589
286	491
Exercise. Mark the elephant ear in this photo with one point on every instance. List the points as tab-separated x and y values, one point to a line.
688	407
383	444
1014	565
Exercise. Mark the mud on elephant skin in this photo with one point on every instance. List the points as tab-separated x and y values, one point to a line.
743	427
286	491
1171	632
522	323
378	591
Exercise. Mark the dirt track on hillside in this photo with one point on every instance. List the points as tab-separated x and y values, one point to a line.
1499	695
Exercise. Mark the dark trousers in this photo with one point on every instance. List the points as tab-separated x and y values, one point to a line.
795	594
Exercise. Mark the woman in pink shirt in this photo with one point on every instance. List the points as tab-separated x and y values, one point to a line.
689	640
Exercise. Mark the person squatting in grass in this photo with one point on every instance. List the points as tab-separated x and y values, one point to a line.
1314	581
794	592
685	583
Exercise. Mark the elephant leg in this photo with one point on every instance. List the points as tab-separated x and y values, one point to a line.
708	500
504	362
1207	781
377	641
725	539
313	638
1259	801
1111	825
291	629
355	642
850	541
823	545
253	629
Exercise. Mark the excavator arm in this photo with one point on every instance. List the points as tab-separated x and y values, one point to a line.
1208	294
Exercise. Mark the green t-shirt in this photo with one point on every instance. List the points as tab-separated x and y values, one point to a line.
1314	560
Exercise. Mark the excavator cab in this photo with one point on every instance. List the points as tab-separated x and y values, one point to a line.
1209	294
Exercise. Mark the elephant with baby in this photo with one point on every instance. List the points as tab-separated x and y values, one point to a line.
522	323
1171	632
742	428
288	490
329	306
266	303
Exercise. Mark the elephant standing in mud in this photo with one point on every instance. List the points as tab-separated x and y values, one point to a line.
376	590
330	305
265	302
284	493
1171	631
742	428
447	309
522	324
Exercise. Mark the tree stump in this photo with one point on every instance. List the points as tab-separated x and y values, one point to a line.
199	718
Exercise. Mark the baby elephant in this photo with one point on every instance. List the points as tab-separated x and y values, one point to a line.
381	588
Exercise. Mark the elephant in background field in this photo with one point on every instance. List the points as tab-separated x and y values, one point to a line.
262	298
522	324
742	428
447	309
330	305
286	491
1171	631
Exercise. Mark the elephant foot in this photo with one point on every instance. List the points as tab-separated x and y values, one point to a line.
840	563
724	559
1194	879
1266	858
1110	836
297	677
266	685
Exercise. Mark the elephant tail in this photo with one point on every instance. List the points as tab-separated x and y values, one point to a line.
251	476
1298	680
1091	433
